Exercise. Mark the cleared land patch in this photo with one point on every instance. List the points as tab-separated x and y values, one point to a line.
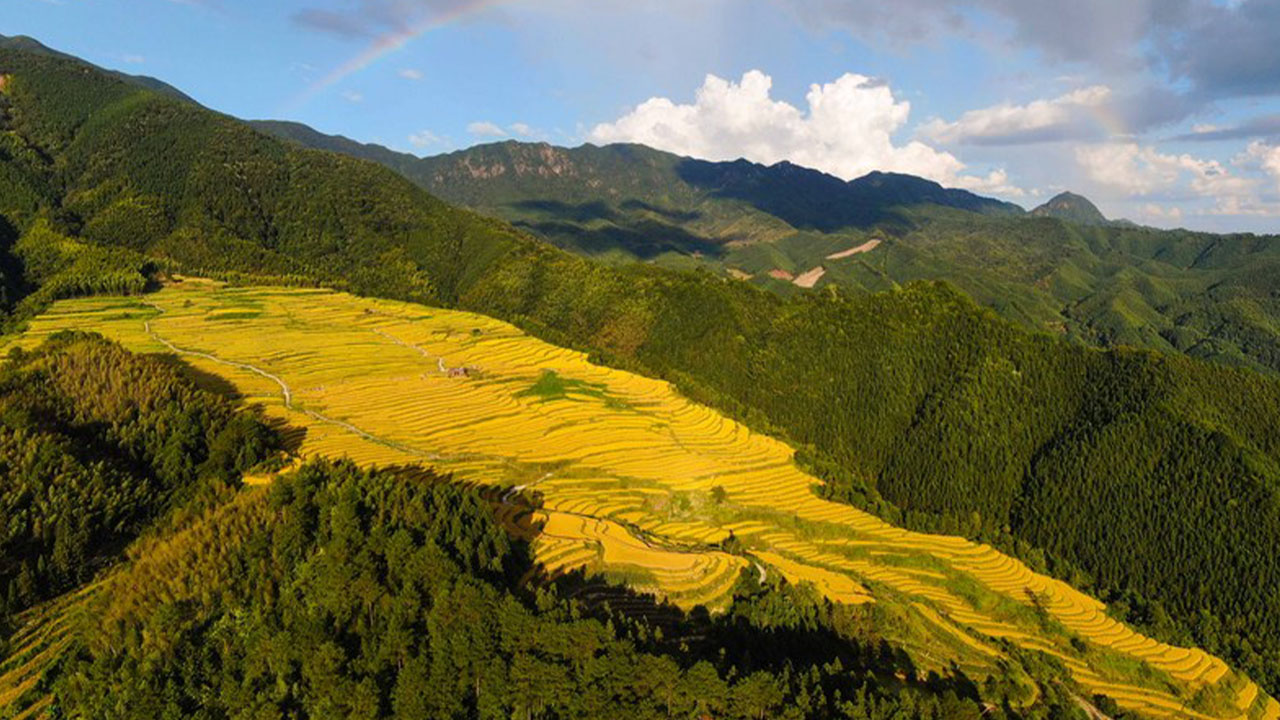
810	277
867	246
636	482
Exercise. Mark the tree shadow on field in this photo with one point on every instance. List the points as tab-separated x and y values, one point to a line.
733	638
207	381
291	436
738	638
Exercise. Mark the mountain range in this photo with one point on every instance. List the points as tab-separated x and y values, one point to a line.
1062	268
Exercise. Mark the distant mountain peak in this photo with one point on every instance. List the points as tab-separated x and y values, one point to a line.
1072	208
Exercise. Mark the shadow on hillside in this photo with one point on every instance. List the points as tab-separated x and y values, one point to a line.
805	199
13	285
697	635
597	227
672	215
569	212
291	436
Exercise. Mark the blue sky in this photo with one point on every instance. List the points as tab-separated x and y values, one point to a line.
1164	111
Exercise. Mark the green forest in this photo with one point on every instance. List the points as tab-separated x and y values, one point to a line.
96	444
1148	479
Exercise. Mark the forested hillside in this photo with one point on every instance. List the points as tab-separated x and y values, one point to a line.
1150	479
96	444
1062	269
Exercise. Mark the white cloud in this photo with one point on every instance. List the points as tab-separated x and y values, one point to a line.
485	128
1070	115
847	129
1161	214
1135	169
1142	170
410	74
995	182
352	96
1267	157
134	59
424	139
522	130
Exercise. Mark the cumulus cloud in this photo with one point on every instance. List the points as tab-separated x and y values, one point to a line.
1068	116
425	139
1161	214
484	128
1143	171
995	182
410	74
1266	156
846	130
522	130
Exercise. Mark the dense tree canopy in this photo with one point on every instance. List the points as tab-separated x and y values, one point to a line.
95	444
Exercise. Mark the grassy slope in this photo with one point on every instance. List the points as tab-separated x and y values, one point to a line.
854	377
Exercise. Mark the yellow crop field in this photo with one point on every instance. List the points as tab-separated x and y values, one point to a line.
40	633
634	481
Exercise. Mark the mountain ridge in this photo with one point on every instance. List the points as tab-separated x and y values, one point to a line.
875	187
27	43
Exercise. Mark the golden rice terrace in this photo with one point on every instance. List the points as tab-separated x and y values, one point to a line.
636	482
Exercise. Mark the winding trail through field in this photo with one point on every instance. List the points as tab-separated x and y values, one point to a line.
285	393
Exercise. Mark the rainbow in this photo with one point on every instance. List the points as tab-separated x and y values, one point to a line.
1112	122
384	45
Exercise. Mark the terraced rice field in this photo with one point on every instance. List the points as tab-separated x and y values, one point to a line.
40	634
635	481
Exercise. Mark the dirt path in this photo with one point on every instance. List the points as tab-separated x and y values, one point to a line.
284	387
444	369
285	392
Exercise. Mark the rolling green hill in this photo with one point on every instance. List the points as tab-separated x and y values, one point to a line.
1063	268
1148	479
